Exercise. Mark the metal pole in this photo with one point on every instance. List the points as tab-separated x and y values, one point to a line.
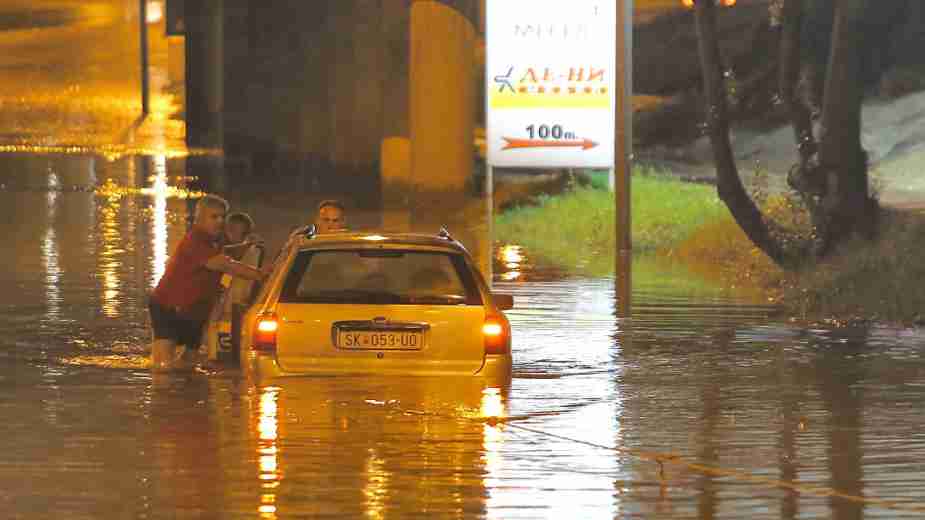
624	147
143	26
490	202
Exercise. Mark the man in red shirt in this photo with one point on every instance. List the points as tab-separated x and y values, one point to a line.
181	301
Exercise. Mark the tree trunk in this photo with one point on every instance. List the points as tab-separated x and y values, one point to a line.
846	207
729	185
790	65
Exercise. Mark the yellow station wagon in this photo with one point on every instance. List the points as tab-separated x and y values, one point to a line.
366	303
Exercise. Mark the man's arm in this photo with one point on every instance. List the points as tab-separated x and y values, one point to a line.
234	249
224	264
240	247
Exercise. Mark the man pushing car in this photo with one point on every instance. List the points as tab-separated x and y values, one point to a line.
181	302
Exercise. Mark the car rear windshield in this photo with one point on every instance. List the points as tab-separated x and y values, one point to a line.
380	277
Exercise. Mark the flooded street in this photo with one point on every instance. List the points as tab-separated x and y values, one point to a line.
698	405
738	404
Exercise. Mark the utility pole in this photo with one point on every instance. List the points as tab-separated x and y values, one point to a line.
623	155
143	31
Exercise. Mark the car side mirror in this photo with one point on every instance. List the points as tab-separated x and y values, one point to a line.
503	301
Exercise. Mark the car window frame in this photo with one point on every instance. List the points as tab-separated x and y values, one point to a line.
302	261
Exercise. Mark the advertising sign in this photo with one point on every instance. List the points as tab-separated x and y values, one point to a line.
550	83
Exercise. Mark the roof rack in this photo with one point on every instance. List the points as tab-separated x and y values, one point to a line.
444	234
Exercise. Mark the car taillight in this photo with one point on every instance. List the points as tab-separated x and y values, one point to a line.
497	336
265	333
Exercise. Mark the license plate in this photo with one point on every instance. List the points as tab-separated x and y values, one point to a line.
380	340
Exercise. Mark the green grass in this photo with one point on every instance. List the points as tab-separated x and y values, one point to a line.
682	232
864	280
575	230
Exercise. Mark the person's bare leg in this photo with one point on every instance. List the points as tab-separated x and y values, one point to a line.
163	355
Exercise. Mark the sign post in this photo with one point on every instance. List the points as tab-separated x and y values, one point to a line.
624	164
143	42
558	92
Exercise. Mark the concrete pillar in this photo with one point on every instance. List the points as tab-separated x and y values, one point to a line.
316	43
204	94
237	71
176	59
395	171
396	37
443	93
395	151
368	75
443	86
355	84
204	76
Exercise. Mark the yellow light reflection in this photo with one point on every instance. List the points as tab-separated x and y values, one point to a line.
268	451
155	12
108	261
109	152
513	259
159	220
268	467
376	489
492	403
113	191
50	253
267	427
511	276
512	254
492	407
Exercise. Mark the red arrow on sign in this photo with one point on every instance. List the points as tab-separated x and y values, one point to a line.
585	144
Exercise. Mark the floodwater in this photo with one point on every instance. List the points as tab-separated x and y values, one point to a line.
697	405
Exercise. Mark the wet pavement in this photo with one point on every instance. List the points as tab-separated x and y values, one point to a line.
700	404
70	79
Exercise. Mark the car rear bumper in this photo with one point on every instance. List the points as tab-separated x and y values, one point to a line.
261	367
496	368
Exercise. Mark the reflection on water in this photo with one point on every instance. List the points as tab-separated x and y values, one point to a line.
512	257
268	452
50	253
155	11
376	487
697	374
109	261
160	193
491	411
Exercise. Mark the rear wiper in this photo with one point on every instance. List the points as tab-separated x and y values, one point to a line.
352	296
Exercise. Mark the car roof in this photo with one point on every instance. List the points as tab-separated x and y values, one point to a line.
381	239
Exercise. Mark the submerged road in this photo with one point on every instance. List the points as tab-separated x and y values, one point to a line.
702	404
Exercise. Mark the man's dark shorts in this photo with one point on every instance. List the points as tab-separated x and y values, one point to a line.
167	324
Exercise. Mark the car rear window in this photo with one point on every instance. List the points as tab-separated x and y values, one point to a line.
391	277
